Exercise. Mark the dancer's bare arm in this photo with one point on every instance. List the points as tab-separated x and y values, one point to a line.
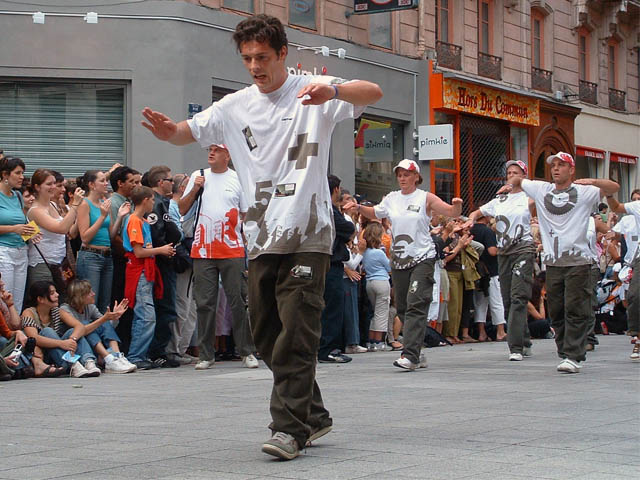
163	128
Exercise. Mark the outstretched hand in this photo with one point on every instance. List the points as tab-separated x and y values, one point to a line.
318	93
159	124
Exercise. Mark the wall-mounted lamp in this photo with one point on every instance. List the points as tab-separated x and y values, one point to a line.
38	17
341	53
91	17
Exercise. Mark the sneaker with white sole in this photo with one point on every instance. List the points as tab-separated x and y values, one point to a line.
182	360
423	361
78	371
405	364
526	352
352	349
250	361
515	357
568	366
317	433
92	368
372	347
282	445
118	366
635	353
126	361
204	364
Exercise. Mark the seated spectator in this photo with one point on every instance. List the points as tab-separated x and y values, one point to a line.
99	331
57	332
539	323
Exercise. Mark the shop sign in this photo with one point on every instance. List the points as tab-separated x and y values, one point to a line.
377	6
435	142
621	158
589	152
490	102
300	70
378	145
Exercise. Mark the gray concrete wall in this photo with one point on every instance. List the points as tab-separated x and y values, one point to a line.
171	63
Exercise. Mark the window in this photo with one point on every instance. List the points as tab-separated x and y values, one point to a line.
443	17
583	56
484	26
537	40
380	29
69	125
241	5
303	13
613	51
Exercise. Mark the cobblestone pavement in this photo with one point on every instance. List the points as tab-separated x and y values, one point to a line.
472	414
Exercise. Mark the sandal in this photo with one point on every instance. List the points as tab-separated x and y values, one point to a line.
395	346
23	373
52	372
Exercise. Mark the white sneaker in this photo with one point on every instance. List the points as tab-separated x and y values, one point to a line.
526	352
125	360
515	357
568	366
372	347
423	361
92	368
635	354
250	361
406	364
78	371
351	349
119	365
204	364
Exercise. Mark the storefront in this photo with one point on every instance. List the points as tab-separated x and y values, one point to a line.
490	127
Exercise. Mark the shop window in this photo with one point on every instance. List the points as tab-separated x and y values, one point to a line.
541	169
380	29
240	5
68	126
218	92
379	146
303	13
443	19
613	62
537	39
485	26
519	145
583	54
621	174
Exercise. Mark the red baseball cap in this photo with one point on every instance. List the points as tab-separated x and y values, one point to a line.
407	164
518	163
565	157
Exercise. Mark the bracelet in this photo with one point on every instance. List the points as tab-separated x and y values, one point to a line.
335	89
75	339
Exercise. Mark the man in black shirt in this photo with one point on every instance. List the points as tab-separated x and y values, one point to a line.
331	342
488	297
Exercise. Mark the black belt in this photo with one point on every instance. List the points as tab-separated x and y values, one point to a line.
105	253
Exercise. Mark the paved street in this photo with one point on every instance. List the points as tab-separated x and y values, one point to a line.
471	414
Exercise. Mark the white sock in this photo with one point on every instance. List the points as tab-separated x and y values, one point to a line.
109	359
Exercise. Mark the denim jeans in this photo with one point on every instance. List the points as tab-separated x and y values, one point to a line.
55	354
165	313
333	314
351	331
98	270
144	321
13	266
104	334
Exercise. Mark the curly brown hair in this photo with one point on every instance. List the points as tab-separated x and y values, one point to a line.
373	235
261	28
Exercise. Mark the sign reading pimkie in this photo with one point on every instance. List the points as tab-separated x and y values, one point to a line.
489	102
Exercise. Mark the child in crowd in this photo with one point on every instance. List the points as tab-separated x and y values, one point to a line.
142	278
377	267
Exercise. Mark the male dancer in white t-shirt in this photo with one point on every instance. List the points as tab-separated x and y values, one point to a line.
563	209
278	132
633	294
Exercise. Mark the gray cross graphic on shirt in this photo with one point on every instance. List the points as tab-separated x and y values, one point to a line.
300	153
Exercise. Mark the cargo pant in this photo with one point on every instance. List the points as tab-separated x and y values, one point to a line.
413	288
633	296
286	304
516	278
569	300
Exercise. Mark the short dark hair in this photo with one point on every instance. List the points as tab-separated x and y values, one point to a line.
120	174
40	289
637	190
261	28
156	174
58	176
602	206
334	182
9	164
139	194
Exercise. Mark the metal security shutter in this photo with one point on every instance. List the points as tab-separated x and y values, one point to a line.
484	149
66	127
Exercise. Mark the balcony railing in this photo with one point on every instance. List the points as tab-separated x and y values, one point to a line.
449	55
489	66
616	99
541	79
588	92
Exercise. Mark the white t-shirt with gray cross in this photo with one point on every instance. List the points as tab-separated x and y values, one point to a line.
633	246
280	151
563	216
513	222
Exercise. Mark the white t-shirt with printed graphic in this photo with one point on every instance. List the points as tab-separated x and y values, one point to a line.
410	228
217	230
634	209
513	221
563	216
280	151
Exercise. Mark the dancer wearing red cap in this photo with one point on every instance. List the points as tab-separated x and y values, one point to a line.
564	208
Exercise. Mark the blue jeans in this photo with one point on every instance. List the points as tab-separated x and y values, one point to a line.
165	313
144	321
98	270
351	330
105	333
333	313
55	354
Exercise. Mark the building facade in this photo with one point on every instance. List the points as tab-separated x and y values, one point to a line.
516	78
